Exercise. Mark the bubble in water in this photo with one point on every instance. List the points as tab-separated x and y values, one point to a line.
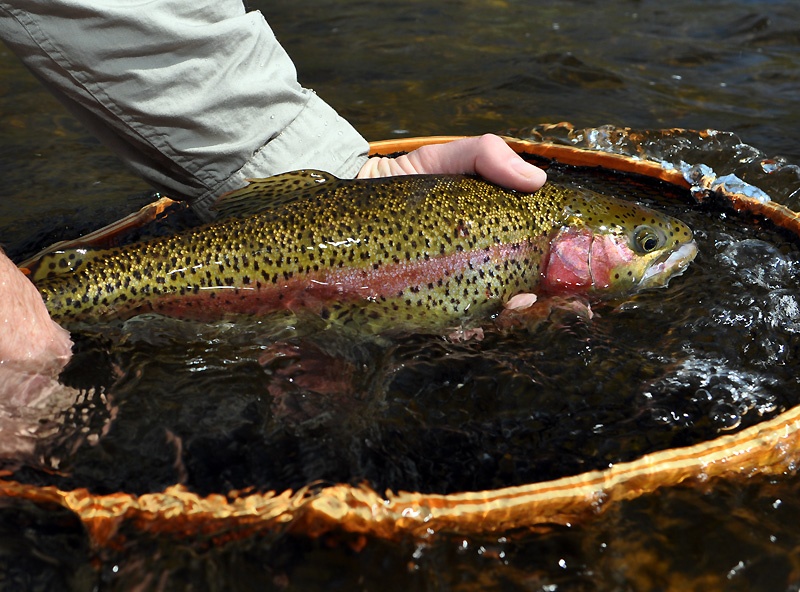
756	320
660	415
783	311
725	416
723	394
756	262
702	395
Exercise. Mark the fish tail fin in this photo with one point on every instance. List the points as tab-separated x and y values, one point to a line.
63	262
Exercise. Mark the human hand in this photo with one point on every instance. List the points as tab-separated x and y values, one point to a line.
29	338
488	156
33	351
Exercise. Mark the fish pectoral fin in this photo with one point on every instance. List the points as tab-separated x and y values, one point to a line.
63	262
268	193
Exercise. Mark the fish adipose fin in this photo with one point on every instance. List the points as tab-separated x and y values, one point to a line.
265	194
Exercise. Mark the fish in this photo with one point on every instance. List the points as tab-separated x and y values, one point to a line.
417	251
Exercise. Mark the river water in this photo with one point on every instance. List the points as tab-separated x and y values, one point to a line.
422	68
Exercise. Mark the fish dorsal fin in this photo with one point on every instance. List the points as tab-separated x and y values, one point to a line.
63	262
264	194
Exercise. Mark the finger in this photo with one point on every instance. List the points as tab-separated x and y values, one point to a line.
488	156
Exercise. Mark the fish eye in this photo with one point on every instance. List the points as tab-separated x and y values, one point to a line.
646	239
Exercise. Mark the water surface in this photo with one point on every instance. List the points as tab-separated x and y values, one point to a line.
467	415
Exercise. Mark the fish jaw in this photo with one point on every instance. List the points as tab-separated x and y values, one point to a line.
674	264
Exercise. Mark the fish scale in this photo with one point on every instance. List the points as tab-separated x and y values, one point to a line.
420	250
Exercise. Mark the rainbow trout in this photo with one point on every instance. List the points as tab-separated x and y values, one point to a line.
418	251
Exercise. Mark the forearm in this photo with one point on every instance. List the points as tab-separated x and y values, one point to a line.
194	96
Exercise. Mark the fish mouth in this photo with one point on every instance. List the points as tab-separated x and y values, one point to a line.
669	266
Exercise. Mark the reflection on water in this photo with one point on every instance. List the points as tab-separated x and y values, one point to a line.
476	66
662	369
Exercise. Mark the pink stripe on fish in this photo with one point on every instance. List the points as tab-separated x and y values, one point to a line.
315	290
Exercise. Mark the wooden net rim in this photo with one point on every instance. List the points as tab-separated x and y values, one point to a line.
771	447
